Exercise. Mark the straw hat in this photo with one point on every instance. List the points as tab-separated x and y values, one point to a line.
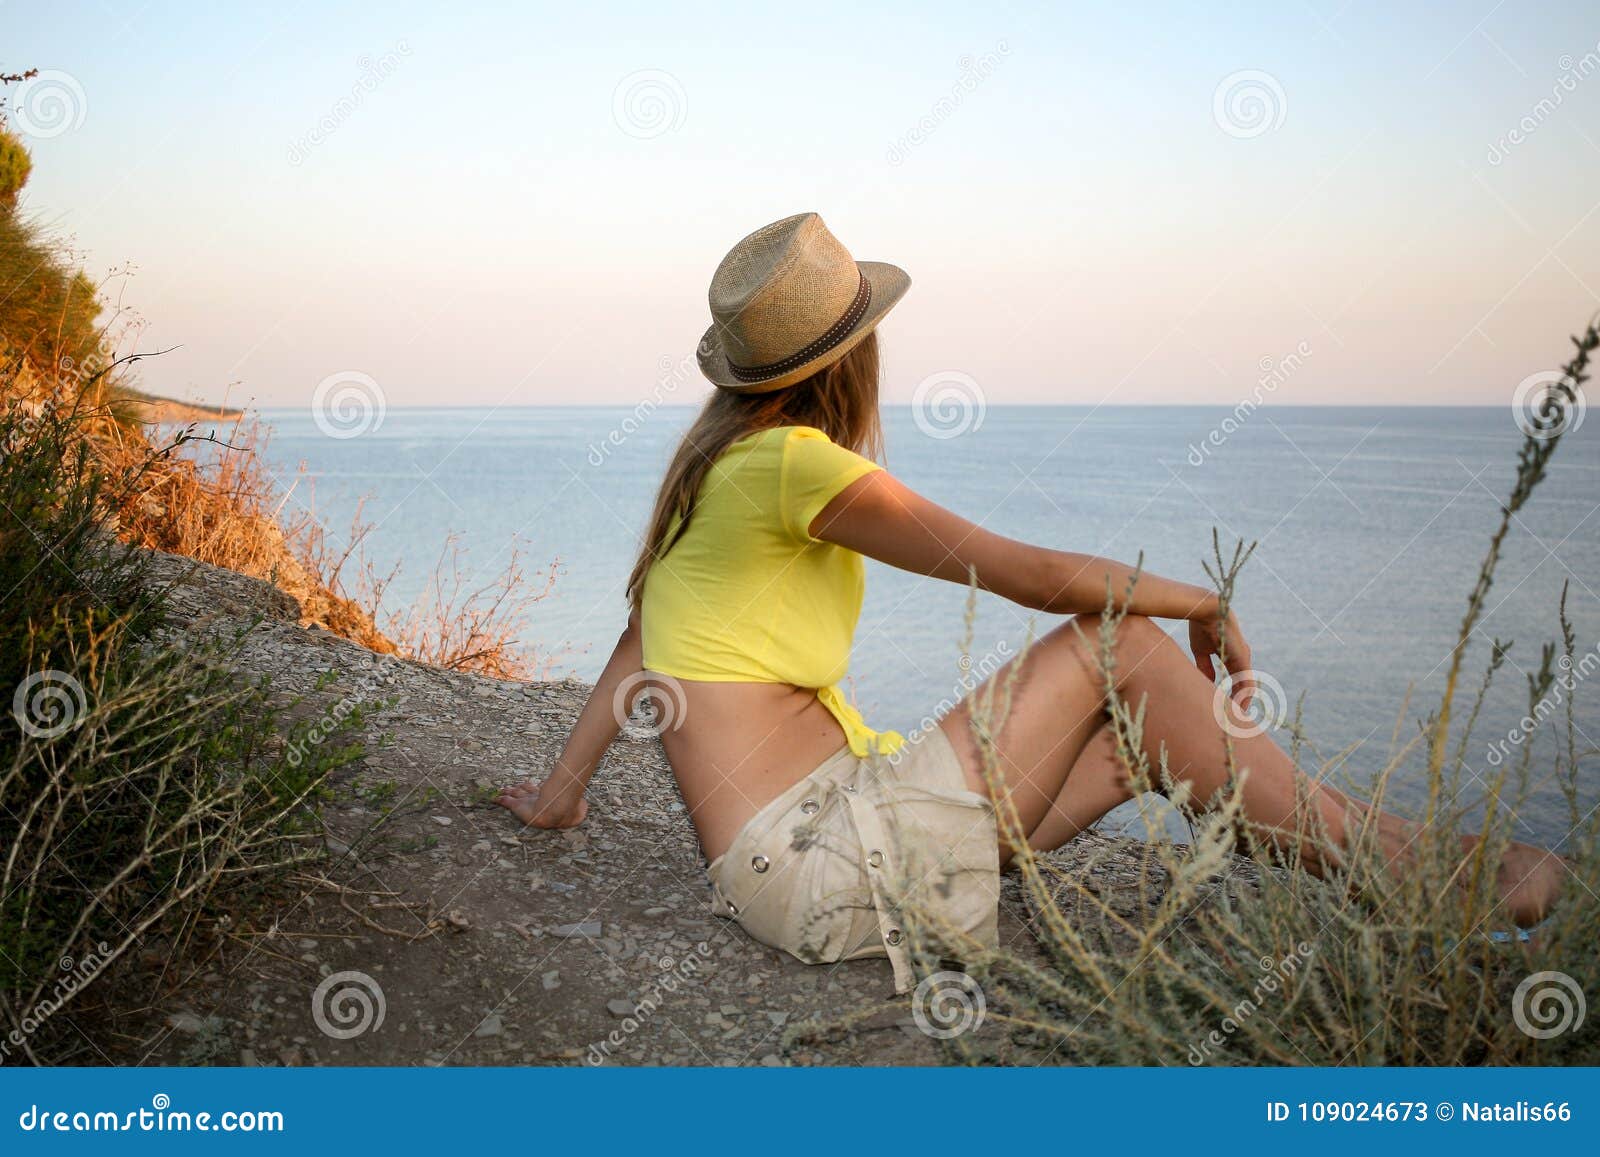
788	301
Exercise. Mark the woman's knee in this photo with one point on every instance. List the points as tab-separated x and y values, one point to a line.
1098	635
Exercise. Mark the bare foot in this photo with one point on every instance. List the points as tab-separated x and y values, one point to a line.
521	801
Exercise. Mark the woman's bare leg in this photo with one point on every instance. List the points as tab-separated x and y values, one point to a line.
1056	756
1095	784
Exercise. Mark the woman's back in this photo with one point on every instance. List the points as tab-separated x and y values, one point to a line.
752	619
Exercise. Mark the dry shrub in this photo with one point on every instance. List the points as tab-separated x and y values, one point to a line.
220	504
214	499
460	626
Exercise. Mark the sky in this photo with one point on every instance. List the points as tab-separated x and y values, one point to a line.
523	204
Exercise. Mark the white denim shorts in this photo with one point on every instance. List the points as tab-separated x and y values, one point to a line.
827	870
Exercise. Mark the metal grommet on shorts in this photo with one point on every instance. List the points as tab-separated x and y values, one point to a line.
809	807
760	863
732	909
875	858
893	937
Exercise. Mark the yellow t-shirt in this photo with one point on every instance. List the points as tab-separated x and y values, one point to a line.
747	595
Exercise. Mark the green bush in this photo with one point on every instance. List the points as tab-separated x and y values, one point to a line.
15	166
52	309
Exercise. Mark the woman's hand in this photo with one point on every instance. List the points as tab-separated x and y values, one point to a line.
545	805
1207	637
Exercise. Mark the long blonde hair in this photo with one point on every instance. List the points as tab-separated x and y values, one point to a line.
841	401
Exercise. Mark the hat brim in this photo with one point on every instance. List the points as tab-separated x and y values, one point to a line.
889	284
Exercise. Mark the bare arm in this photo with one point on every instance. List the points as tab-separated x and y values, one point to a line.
882	518
560	797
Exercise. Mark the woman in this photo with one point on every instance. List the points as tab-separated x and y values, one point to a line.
744	603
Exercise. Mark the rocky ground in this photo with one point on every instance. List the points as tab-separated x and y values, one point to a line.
436	932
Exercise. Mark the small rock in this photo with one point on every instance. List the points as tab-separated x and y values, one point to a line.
657	911
492	1025
188	1022
620	1007
587	929
442	821
551	980
772	1061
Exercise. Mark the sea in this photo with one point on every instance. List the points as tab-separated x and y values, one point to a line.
1369	526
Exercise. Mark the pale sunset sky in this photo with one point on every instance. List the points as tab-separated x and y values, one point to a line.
523	204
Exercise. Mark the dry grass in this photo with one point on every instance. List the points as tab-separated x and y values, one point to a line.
458	625
221	505
214	498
